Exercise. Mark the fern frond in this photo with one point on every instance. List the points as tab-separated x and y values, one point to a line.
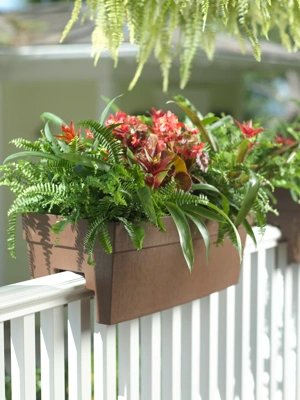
136	233
105	137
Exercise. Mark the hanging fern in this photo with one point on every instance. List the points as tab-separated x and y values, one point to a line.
153	25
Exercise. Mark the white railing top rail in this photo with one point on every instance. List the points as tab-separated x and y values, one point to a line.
268	240
40	294
36	295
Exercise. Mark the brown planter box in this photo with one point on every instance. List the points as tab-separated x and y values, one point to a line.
129	283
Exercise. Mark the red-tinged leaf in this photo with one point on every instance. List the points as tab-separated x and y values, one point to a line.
183	180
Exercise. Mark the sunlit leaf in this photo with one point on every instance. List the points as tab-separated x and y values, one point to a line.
52	118
106	109
209	120
51	139
85	160
31	154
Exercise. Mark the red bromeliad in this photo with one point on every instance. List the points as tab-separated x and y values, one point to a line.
165	148
283	141
69	133
247	129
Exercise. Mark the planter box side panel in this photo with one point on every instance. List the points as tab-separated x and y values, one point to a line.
158	278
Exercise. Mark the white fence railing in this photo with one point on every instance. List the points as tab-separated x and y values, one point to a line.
240	344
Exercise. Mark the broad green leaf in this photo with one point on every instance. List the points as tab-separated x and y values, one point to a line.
249	231
202	229
81	170
203	212
85	160
209	120
106	109
205	135
222	121
251	194
52	118
31	154
238	239
181	99
50	139
206	186
63	145
114	107
242	151
144	194
184	232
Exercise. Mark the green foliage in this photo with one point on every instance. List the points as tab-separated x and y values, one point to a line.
153	26
132	172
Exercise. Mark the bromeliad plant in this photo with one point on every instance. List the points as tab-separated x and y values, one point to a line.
132	170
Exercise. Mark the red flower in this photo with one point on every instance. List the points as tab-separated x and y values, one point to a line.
197	149
166	123
156	114
69	133
134	140
283	141
247	129
89	134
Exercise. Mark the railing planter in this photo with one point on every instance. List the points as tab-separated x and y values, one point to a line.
128	283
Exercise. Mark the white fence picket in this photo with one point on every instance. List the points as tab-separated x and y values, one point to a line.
259	295
52	354
244	328
128	356
226	343
2	362
287	329
105	362
297	312
171	354
23	358
190	350
273	323
209	347
79	350
213	345
151	357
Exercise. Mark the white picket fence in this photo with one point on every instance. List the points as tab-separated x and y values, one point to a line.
242	343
